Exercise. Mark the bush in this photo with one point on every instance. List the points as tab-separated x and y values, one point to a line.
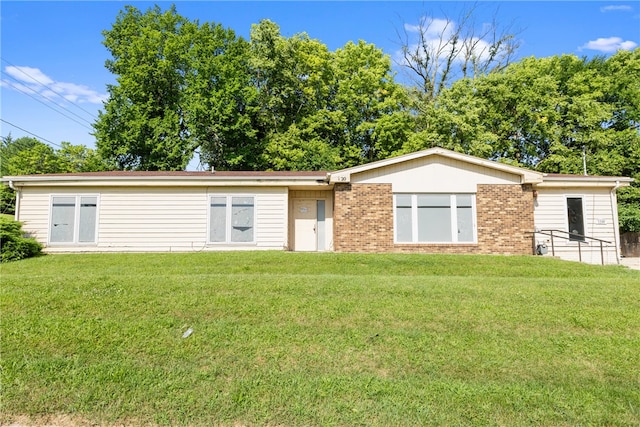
13	244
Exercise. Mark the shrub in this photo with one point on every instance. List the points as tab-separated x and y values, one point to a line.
13	244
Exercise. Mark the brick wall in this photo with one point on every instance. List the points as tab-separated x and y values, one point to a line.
363	221
363	218
505	215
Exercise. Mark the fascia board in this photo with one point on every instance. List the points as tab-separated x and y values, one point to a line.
577	182
319	181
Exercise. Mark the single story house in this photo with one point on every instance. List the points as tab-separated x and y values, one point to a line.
432	201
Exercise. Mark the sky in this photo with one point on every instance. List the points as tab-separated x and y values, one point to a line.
53	81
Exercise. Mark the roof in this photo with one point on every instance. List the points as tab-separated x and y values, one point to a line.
311	179
527	176
175	174
173	178
565	180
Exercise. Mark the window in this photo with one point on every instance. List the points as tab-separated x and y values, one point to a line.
73	219
434	218
231	219
575	218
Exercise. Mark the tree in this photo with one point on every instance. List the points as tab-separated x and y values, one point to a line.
445	50
143	126
319	109
220	99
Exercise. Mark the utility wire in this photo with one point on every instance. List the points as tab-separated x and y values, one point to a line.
49	106
49	88
30	133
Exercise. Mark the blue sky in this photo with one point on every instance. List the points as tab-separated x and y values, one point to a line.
54	80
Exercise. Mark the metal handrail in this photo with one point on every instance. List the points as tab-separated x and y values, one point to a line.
553	250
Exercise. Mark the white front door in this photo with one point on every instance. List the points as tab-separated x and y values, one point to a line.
305	225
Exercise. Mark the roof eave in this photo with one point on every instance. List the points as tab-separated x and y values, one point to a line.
168	181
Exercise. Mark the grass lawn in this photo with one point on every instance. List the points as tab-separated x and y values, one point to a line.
292	339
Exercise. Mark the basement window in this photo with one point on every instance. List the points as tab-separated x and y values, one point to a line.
434	218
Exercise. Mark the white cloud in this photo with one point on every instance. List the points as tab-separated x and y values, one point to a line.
614	8
33	81
609	44
437	33
432	27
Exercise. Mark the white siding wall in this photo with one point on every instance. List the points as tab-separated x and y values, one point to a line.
34	213
550	212
157	219
435	174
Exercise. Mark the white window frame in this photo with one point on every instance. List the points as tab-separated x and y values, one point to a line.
76	220
454	219
228	220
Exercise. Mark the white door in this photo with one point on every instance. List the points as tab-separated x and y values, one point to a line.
305	225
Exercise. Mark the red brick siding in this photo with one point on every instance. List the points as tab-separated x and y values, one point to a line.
363	221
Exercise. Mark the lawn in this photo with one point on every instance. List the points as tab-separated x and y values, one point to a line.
292	339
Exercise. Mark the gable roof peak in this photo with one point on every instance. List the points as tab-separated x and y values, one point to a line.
527	175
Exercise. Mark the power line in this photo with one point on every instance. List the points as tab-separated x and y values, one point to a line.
49	106
30	133
49	88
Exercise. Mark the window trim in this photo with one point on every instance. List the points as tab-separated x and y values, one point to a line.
454	219
76	220
228	214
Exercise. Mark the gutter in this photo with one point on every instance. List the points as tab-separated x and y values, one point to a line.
614	214
13	187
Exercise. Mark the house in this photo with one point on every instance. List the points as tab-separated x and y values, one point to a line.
432	201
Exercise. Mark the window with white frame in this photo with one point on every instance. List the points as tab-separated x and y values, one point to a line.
73	219
434	218
232	219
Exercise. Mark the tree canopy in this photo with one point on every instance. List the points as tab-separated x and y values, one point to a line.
273	102
270	102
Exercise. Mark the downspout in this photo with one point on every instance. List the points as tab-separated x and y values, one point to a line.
614	213
13	187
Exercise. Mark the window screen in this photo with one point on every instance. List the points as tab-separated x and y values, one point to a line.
87	223
218	219
242	219
403	218
464	210
63	214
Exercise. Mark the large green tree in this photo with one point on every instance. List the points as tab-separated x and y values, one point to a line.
143	125
322	109
271	102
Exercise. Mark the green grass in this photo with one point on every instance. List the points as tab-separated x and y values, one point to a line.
292	339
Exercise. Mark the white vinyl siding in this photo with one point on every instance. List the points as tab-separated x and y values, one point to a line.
551	213
435	175
434	218
157	219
